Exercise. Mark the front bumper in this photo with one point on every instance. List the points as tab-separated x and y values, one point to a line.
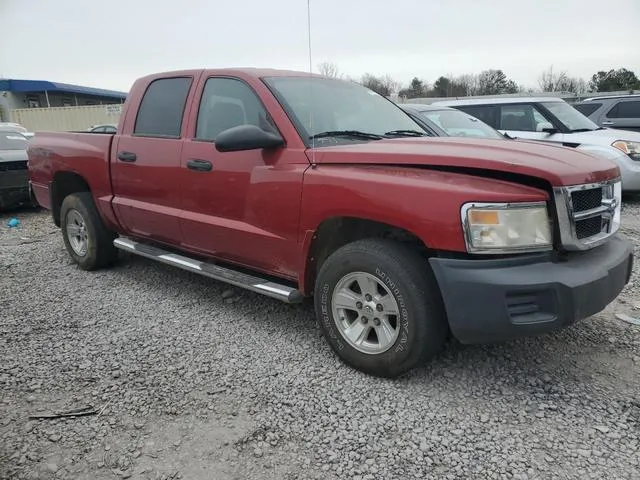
14	187
499	299
629	173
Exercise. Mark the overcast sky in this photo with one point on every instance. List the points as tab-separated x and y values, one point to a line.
109	43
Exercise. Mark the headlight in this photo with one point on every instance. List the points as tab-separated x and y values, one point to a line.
506	227
630	148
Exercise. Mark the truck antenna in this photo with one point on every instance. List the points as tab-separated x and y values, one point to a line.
313	144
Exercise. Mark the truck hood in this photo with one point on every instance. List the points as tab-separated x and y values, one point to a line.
13	156
602	137
560	166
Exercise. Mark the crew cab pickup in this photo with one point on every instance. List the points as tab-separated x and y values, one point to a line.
293	185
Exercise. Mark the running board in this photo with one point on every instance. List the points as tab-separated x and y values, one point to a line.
239	279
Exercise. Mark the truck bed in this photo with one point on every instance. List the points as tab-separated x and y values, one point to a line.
84	154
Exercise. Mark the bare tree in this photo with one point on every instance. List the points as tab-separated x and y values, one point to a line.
467	83
385	86
551	81
329	69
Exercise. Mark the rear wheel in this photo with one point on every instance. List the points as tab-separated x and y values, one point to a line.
379	307
87	239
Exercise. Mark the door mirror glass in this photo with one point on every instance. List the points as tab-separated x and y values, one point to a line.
246	137
546	127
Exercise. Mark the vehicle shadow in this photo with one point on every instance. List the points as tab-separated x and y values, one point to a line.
540	361
17	210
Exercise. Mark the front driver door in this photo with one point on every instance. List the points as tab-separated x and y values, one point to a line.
524	120
239	206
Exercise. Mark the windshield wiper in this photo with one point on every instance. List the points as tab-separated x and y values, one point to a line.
405	133
347	133
577	130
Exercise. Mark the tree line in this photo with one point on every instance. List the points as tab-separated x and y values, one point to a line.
492	82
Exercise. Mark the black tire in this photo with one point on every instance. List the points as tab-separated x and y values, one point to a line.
100	251
422	325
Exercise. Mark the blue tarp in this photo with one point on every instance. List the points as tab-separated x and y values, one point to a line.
33	86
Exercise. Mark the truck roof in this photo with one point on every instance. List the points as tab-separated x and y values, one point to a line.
240	71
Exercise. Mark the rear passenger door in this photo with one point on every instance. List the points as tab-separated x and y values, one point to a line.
625	115
146	162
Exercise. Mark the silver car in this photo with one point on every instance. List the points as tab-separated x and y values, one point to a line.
620	111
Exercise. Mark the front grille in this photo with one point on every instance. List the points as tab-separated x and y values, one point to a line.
10	166
588	214
586	199
588	227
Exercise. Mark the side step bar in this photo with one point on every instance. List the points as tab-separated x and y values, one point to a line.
239	279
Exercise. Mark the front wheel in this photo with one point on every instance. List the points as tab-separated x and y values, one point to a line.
379	307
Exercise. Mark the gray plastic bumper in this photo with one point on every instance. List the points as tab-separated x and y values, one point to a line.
498	299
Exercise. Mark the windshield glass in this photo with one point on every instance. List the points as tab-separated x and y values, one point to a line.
319	105
569	116
459	124
12	141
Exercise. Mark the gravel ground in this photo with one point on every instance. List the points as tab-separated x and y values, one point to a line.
194	380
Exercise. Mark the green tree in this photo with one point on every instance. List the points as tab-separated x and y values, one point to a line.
495	82
416	89
614	80
448	87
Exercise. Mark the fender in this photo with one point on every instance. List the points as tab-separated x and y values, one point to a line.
423	202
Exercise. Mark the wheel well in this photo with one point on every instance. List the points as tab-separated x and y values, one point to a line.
336	232
63	185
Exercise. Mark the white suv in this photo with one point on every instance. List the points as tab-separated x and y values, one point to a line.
555	121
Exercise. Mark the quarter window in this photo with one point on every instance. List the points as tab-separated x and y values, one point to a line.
162	108
625	109
227	103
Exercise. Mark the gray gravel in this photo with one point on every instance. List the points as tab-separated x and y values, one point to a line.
195	380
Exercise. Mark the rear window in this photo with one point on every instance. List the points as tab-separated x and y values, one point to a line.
12	141
486	113
587	108
162	107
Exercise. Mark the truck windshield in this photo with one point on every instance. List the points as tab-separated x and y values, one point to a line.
318	105
570	117
459	124
12	141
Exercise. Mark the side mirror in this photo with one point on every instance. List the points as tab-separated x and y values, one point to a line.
246	137
546	127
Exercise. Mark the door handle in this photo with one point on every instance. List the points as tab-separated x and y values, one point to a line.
199	165
127	156
607	123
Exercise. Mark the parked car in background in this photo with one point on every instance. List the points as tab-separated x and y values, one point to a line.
553	120
617	111
14	176
292	185
448	122
15	127
104	128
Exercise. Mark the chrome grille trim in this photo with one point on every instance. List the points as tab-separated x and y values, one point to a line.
608	211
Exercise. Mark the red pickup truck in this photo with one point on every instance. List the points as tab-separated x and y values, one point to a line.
294	185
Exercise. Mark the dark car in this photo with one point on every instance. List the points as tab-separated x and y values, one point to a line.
620	111
14	176
104	128
448	122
